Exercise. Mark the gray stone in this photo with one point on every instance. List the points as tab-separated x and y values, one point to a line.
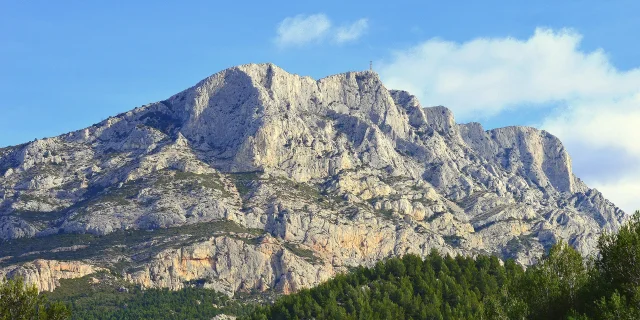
338	172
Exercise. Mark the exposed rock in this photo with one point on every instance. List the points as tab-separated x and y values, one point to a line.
229	265
223	317
46	274
319	175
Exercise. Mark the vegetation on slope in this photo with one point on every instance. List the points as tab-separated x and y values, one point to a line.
561	286
188	303
106	295
138	244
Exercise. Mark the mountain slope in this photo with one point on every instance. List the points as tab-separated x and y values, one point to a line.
272	181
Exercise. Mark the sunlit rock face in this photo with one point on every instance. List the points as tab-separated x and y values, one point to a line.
46	274
258	179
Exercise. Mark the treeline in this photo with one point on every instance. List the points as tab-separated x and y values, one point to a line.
188	303
561	286
21	302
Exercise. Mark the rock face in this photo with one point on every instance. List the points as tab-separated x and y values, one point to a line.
228	264
46	274
295	179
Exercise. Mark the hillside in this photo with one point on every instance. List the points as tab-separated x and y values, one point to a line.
258	180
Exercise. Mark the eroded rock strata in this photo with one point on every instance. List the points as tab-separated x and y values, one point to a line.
256	179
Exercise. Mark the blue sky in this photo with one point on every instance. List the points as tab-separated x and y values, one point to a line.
570	67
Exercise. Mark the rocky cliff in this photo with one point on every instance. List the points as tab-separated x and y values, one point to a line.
46	274
256	179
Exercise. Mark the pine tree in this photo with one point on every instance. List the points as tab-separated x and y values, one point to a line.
19	301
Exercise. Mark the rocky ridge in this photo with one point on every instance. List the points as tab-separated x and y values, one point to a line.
259	180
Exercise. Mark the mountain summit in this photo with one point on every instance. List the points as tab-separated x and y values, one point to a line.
258	179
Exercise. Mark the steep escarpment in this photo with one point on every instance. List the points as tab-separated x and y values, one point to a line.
46	274
258	179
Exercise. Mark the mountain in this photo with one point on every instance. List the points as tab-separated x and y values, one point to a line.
258	180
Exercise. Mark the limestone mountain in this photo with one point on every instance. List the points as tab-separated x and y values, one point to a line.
256	179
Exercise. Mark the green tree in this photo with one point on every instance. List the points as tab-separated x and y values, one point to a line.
618	307
19	301
620	257
552	287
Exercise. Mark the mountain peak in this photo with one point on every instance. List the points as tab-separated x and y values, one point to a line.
338	166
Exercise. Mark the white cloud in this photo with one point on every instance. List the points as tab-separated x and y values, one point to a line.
306	29
488	75
301	29
352	32
612	123
483	77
